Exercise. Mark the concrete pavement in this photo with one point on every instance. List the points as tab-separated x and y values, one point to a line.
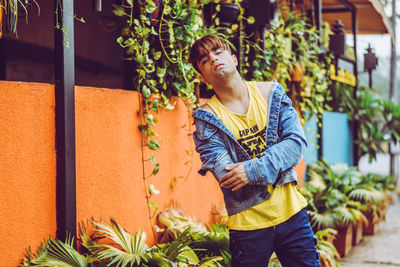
381	249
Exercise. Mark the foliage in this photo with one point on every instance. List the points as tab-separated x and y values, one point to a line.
213	240
327	193
118	248
293	43
15	9
378	119
157	39
54	252
160	49
208	241
328	252
339	195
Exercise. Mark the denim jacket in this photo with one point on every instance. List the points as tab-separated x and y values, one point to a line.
286	145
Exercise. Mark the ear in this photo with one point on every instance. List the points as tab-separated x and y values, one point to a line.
235	59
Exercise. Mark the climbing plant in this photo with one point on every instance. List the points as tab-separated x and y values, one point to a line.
157	38
288	45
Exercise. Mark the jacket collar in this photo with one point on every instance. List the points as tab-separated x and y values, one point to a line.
213	119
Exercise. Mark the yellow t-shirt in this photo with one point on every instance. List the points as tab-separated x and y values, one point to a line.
249	130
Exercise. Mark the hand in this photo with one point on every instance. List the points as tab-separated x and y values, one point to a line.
236	178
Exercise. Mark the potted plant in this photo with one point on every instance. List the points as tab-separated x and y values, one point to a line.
329	204
224	13
328	253
358	228
371	193
228	13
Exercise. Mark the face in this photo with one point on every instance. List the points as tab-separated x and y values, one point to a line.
216	65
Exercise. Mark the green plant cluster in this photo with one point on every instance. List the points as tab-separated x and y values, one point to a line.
12	8
157	39
184	242
160	45
213	240
111	245
339	196
293	44
378	119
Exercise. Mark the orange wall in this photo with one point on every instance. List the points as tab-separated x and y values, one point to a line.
27	168
108	159
108	162
108	155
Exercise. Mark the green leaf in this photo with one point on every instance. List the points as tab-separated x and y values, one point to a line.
153	159
146	91
119	11
140	59
161	72
187	255
131	250
251	20
153	144
155	105
150	119
156	169
153	205
157	55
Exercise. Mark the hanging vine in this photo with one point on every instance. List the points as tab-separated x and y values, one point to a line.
157	38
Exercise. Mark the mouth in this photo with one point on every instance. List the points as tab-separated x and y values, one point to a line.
218	66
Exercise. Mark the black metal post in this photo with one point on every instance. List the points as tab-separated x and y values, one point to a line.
370	78
65	118
318	16
355	68
97	5
3	66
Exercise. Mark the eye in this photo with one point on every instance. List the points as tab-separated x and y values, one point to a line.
204	60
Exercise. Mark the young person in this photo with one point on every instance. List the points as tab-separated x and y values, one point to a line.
250	138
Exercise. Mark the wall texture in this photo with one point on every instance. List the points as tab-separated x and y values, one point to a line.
109	169
108	157
27	168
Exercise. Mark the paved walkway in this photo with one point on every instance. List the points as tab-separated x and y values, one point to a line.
381	249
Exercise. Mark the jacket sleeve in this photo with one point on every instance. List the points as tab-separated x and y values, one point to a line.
213	152
286	153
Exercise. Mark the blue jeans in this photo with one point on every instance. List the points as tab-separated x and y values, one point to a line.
293	242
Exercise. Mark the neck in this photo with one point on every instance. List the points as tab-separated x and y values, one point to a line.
232	88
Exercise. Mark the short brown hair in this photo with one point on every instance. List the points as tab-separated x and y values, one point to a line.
204	46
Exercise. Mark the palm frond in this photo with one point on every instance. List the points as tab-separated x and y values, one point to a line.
31	256
210	262
345	216
328	252
366	195
134	249
322	220
179	250
61	254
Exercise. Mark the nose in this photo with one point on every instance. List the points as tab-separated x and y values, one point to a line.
213	57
